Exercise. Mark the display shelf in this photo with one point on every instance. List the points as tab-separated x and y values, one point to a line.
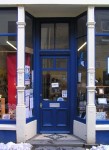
2	106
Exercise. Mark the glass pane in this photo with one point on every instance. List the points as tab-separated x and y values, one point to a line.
28	33
47	36
29	69
54	84
81	26
47	63
61	63
62	36
102	21
8	44
8	23
8	64
82	77
102	78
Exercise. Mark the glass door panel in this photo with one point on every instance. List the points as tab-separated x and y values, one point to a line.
54	85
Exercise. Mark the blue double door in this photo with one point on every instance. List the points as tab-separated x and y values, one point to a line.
54	95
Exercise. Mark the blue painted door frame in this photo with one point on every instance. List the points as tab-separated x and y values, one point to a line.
54	114
72	56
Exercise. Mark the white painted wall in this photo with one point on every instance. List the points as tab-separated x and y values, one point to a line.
31	129
7	127
79	129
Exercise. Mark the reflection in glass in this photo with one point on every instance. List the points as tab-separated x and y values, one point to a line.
54	84
55	36
62	36
61	63
28	32
81	26
47	36
8	23
82	76
47	63
102	21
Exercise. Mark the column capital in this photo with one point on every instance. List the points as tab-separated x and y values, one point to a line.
91	24
21	24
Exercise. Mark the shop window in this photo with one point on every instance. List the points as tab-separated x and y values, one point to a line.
8	23
81	26
81	65
102	22
55	36
82	77
8	59
102	79
29	70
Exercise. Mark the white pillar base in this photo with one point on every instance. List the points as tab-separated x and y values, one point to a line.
20	123
91	124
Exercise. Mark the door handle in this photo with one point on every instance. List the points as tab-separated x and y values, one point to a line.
40	105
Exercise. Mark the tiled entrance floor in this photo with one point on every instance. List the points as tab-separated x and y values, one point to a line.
56	142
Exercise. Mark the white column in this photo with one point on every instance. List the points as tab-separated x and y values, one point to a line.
21	109
91	109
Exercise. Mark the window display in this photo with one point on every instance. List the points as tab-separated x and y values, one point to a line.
102	79
82	77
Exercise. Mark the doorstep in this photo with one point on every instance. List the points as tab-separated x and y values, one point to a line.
56	140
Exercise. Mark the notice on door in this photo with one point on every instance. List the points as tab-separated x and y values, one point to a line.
54	105
64	93
54	85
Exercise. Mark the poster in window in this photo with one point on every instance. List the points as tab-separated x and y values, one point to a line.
27	75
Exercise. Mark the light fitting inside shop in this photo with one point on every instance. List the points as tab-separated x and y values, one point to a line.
82	46
11	45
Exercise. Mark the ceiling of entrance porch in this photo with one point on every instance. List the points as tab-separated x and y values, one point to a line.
59	10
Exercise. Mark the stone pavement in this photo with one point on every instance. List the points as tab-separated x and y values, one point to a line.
58	148
56	142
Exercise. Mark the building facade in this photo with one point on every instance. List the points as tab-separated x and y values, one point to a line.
54	69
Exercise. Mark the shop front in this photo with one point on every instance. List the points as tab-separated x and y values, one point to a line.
54	68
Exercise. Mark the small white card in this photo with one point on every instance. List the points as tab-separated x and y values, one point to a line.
64	93
102	100
54	85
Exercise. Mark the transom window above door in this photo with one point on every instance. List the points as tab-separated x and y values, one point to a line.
54	36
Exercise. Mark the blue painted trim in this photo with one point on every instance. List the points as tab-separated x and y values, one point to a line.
102	137
54	52
7	121
81	120
37	72
7	136
102	121
30	119
101	34
8	34
72	73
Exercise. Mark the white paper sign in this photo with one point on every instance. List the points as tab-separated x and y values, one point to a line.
54	85
31	102
102	100
54	105
27	112
108	66
30	113
27	92
27	101
79	77
64	93
27	75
